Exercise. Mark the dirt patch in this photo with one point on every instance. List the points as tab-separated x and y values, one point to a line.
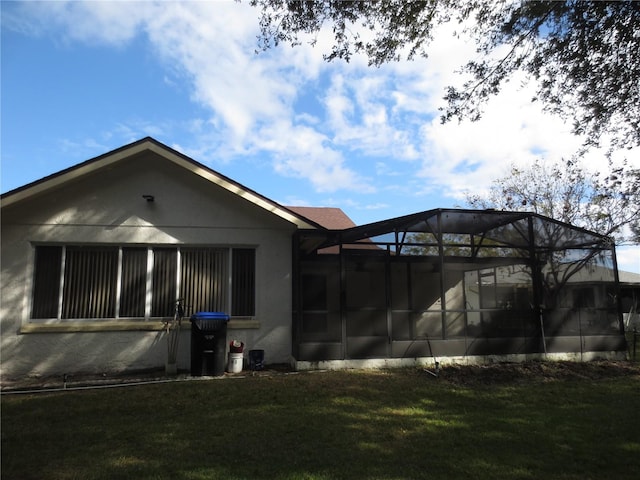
508	373
490	374
80	379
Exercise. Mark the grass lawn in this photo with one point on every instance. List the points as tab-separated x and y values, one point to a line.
633	344
533	421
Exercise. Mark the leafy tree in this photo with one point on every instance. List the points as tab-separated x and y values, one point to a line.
583	55
607	204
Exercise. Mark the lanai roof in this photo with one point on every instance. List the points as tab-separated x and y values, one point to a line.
511	229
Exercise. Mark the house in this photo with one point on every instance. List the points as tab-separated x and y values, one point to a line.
630	300
94	256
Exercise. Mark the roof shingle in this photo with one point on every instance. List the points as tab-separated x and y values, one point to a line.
328	217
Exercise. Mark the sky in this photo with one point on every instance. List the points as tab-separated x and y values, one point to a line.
79	79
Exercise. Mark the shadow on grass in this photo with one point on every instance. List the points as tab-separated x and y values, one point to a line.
341	425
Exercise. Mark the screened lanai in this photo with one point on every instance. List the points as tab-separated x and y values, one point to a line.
454	283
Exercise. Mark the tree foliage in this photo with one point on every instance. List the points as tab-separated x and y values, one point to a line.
583	55
607	204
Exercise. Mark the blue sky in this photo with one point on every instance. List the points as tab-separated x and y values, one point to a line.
82	78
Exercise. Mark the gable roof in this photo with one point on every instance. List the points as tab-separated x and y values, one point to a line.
151	145
329	217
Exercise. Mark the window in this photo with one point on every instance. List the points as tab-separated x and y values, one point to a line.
86	282
243	282
134	282
90	282
47	282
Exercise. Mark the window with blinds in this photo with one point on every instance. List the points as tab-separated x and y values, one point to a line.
80	282
90	281
204	278
134	282
243	282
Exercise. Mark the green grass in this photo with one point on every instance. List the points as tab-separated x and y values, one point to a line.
360	425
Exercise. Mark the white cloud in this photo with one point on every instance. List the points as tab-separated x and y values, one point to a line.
628	258
389	113
469	155
111	23
363	116
351	204
212	44
303	152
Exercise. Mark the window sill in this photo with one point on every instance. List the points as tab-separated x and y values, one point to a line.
124	326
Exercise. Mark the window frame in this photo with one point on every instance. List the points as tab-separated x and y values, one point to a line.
227	278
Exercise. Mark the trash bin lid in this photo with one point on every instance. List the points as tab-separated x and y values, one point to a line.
210	315
209	321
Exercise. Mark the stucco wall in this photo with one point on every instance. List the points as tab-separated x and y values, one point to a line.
106	207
